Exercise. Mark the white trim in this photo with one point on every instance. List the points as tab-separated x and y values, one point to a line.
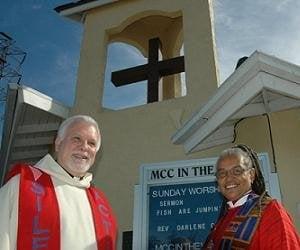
263	84
34	98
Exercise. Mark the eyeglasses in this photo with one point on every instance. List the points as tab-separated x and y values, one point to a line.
235	171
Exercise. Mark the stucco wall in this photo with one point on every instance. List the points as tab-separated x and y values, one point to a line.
142	135
286	137
139	135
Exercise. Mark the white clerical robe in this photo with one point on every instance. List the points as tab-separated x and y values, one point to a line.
76	221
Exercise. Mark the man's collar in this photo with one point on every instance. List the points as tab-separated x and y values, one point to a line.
240	201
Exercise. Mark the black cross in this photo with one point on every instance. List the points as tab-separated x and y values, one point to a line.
152	71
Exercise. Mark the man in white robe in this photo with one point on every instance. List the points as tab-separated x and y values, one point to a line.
76	146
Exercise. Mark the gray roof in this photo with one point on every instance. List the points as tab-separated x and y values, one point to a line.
261	85
30	126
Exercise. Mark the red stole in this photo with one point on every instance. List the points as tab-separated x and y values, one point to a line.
240	231
237	227
38	218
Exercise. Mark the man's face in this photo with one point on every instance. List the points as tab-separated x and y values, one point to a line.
236	180
77	150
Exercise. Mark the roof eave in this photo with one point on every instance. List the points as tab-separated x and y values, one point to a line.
75	11
206	128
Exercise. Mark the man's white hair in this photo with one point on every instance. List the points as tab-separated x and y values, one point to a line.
64	126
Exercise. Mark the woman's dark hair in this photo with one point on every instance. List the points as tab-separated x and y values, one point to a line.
258	185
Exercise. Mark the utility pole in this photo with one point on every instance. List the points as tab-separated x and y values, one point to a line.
11	60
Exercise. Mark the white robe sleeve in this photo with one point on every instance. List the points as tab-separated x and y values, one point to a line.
9	194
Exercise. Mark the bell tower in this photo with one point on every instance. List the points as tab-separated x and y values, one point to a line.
182	27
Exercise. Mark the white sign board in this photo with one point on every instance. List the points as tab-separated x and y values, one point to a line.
177	203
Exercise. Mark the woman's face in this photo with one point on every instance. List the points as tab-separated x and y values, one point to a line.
233	178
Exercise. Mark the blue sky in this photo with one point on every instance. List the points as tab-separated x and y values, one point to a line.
53	42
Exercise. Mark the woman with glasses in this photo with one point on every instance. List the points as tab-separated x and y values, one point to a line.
250	218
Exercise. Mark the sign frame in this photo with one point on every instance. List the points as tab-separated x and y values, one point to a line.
170	173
